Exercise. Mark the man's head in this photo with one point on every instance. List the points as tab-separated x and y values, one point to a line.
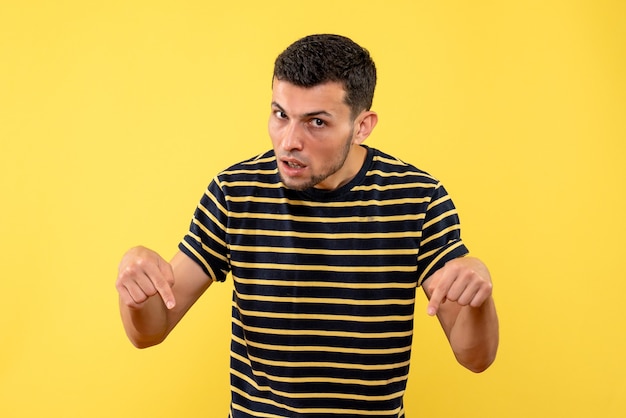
322	91
317	59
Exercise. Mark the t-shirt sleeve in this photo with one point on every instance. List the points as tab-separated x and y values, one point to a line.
205	242
441	235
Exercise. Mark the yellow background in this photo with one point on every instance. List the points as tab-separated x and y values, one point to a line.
115	115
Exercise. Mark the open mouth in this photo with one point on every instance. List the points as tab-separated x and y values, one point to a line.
292	164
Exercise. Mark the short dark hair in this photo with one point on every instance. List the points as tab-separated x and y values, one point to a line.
317	59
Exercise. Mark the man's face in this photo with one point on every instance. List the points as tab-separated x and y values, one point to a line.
313	137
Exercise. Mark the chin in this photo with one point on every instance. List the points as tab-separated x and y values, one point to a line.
296	185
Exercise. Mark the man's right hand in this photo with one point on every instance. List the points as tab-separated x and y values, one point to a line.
142	274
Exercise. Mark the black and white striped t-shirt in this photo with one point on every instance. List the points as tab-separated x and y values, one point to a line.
324	283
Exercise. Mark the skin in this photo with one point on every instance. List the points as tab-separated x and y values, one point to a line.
314	137
461	295
317	144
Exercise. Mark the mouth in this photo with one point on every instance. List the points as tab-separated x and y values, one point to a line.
293	164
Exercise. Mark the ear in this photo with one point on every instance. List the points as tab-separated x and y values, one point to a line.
364	125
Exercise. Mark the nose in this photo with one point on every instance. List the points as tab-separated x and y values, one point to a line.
292	137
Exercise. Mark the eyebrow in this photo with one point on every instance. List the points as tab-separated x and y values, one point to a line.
306	115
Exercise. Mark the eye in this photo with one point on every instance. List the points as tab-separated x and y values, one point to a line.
280	114
318	123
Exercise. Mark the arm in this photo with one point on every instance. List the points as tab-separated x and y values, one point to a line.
460	294
154	294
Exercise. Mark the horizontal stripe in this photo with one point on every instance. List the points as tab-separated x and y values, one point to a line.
439	218
322	349
439	201
342	204
243	183
316	379
327	301
398	174
322	333
339	219
313	267
322	235
253	172
323	251
440	234
389	160
387	187
315	395
325	317
326	364
333	411
259	159
256	414
345	285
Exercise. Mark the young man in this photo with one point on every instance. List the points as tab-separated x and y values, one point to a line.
326	241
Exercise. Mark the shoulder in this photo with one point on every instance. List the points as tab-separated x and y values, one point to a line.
250	175
263	161
386	168
257	167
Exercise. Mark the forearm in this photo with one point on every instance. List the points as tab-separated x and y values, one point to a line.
145	325
474	336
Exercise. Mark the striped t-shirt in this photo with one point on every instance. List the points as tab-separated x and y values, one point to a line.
324	283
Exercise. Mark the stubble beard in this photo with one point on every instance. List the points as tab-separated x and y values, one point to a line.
317	179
